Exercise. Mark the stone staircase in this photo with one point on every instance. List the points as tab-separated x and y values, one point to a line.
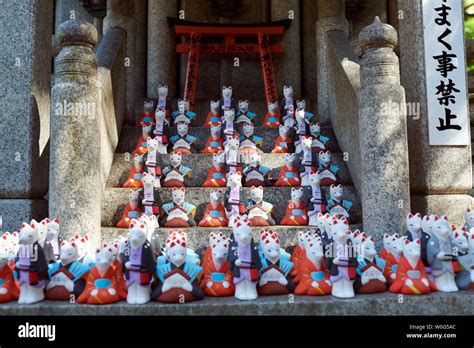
115	197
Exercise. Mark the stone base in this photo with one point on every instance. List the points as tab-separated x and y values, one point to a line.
453	206
16	211
461	303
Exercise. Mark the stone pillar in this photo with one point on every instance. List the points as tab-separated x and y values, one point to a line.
288	65
25	75
385	190
75	184
161	47
121	14
331	16
141	16
440	176
309	69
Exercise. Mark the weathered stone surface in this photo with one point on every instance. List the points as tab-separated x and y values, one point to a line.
161	62
111	71
331	16
130	136
433	169
453	206
75	181
288	66
16	211
70	9
25	74
385	192
114	200
309	67
200	165
438	303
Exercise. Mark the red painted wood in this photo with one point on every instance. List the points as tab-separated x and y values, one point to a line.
236	48
192	69
267	67
186	30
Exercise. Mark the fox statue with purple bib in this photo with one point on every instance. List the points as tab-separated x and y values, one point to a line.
244	259
341	260
161	130
31	265
177	272
217	277
276	266
235	200
138	264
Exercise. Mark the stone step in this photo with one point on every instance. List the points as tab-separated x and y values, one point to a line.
200	165
198	237
129	137
114	200
437	303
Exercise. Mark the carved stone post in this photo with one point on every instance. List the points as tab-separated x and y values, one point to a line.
75	184
385	191
331	16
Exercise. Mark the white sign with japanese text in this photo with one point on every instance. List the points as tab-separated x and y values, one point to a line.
448	117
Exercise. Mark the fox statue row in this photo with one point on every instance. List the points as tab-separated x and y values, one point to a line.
430	256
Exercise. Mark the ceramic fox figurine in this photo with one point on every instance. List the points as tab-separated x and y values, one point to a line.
259	211
216	177
327	170
131	210
141	147
235	201
217	278
289	173
307	160
232	156
249	142
320	142
227	102
254	173
161	130
469	218
183	142
176	273
342	261
102	285
411	277
178	213
465	276
288	100
244	259
441	257
296	213
149	196
301	104
213	116
284	141
183	114
68	275
146	116
151	159
302	128
31	265
138	264
370	269
215	214
163	101
243	114
228	126
394	251
315	198
175	174
276	266
9	289
214	143
297	255
337	204
312	271
134	179
272	118
414	232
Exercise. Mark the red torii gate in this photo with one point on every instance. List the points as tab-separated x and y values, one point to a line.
196	30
